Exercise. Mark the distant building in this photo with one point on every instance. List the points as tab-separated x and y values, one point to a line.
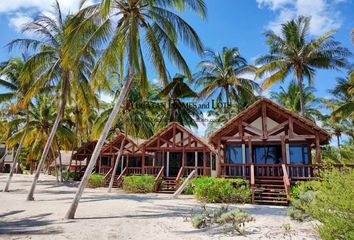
6	158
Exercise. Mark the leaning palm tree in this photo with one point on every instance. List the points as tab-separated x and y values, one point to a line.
290	99
140	22
10	72
58	61
224	76
292	52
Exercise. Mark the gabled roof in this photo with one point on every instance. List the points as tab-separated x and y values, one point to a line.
130	143
169	127
84	150
296	117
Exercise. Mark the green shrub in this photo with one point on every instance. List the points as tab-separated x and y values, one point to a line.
222	216
220	190
332	203
72	175
96	180
139	184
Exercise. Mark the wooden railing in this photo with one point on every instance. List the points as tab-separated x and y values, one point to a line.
268	170
134	171
301	171
152	170
158	179
105	169
252	181
179	175
286	180
235	170
199	171
120	177
108	173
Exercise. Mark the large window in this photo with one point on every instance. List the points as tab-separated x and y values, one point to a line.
267	154
299	154
134	162
233	153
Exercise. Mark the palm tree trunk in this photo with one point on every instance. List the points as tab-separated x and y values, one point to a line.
49	140
74	145
302	101
339	148
122	95
116	165
60	162
55	165
17	156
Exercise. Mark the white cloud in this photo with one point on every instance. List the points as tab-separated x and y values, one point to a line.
21	11
323	13
18	21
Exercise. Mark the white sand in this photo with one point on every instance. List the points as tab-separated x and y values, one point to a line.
122	216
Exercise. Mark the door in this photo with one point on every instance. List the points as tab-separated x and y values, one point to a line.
173	163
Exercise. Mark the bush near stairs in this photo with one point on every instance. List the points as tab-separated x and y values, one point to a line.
329	200
220	190
139	184
96	180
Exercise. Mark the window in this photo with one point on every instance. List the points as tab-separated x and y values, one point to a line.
148	160
200	159
134	162
299	154
207	159
213	162
159	159
267	154
233	153
106	161
189	159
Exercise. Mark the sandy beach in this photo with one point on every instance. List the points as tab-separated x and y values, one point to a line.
119	215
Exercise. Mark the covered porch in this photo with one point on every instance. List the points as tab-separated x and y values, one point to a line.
270	146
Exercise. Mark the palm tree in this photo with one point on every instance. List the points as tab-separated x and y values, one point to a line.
41	115
343	104
139	22
224	76
58	60
290	99
292	52
184	113
11	71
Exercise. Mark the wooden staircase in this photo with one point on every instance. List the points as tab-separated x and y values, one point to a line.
118	179
167	185
270	191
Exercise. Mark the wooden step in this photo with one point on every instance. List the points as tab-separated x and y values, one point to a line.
271	202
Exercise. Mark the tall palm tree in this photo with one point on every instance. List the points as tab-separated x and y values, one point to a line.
292	52
140	22
290	99
58	60
10	71
177	110
224	76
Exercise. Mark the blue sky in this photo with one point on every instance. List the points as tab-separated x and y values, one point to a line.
230	23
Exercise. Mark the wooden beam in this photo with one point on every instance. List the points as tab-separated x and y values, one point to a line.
291	127
250	149
283	149
318	149
264	121
174	135
278	127
254	129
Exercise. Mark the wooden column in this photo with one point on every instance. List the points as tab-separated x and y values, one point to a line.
204	162
218	159
183	158
291	127
143	161
99	164
163	157
264	121
318	149
250	149
154	159
283	149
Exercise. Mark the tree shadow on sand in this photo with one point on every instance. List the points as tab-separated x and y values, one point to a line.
27	226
